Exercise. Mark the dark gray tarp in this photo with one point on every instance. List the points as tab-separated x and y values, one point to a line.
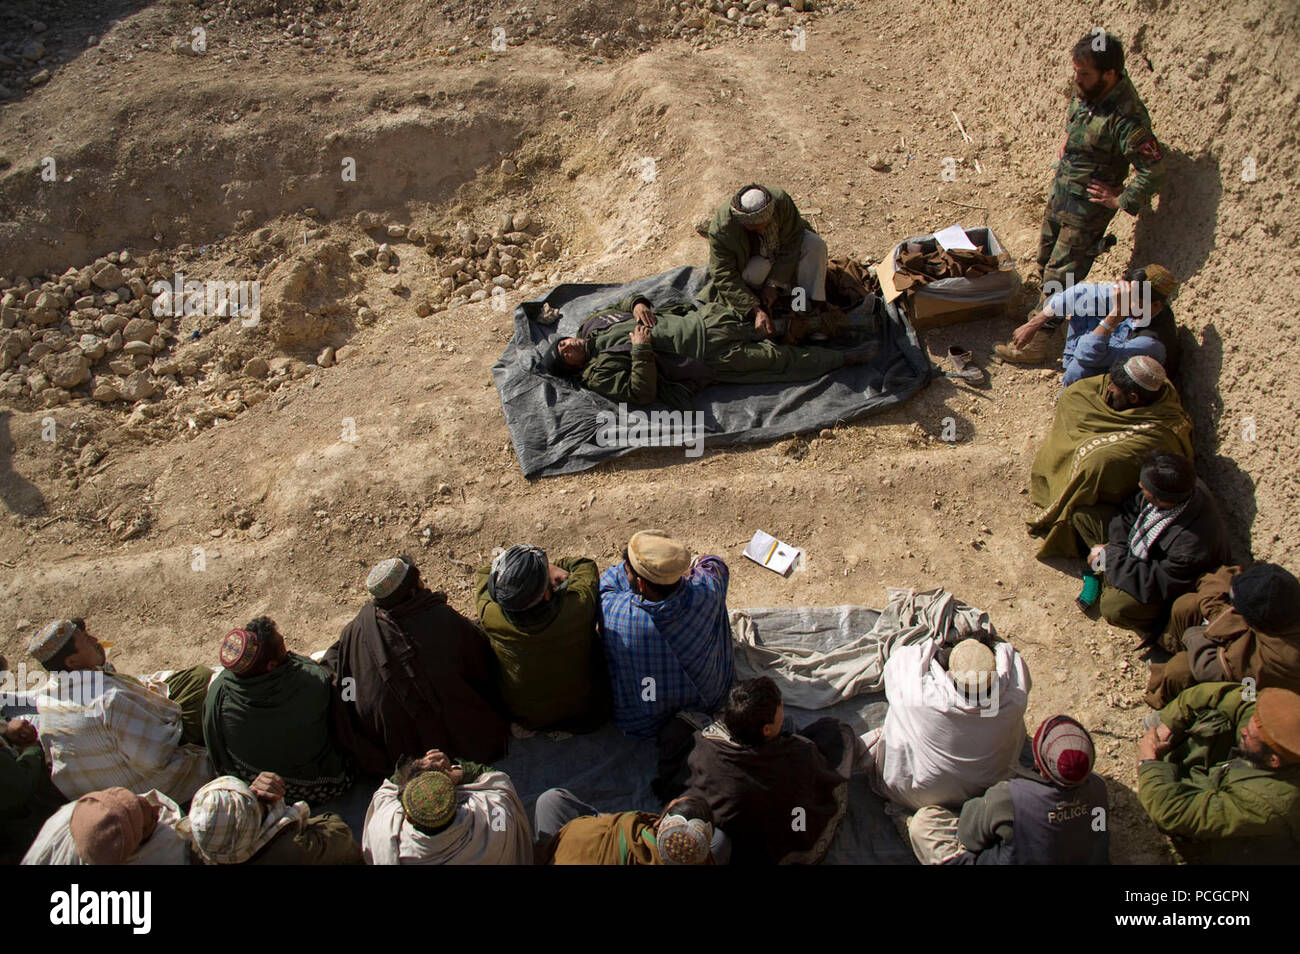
613	773
553	422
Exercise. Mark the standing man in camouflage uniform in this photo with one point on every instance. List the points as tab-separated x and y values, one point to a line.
1107	129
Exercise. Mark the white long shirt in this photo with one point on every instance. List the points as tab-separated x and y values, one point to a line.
941	746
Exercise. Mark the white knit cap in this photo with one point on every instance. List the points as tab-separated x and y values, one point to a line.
751	200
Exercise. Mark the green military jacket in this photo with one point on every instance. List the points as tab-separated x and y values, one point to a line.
1199	791
731	246
694	331
1102	139
549	655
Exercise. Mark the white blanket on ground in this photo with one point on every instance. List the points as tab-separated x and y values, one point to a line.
820	656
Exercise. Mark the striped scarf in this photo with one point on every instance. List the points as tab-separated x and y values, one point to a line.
1150	523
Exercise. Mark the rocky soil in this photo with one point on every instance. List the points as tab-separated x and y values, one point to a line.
398	176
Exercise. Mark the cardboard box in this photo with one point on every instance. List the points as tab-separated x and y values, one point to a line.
949	301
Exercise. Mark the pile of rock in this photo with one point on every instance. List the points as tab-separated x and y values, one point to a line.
91	329
698	17
470	264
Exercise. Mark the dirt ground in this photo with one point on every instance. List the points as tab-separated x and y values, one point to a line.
233	488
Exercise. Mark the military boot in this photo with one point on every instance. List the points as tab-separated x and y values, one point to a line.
1038	350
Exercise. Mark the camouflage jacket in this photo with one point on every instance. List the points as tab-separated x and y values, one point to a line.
1102	140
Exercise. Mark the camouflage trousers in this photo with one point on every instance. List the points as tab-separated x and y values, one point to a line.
1066	250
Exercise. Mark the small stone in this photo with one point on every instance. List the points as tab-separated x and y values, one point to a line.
508	167
256	367
108	277
874	161
365	316
396	231
326	358
137	387
67	370
423	308
519	222
257	531
89	457
33	50
138	347
826	434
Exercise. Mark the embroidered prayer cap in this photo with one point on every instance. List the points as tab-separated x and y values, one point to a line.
657	557
1063	751
972	665
430	800
519	577
752	206
107	827
684	841
1146	372
1169	477
1268	598
386	577
1278	712
242	651
227	822
1162	280
52	638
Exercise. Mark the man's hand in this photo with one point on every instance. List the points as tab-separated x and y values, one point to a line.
435	761
268	787
1025	333
643	314
20	733
640	335
1147	746
1164	739
1095	552
763	323
558	574
1102	194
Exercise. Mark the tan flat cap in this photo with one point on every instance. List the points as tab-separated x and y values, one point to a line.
657	557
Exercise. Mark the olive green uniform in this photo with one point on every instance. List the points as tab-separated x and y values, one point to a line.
706	331
1102	140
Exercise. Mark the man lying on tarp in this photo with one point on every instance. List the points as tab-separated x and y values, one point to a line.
629	353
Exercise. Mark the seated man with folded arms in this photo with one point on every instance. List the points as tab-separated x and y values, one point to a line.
436	812
1237	625
1057	817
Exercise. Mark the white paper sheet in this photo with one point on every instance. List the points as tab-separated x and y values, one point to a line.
954	236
